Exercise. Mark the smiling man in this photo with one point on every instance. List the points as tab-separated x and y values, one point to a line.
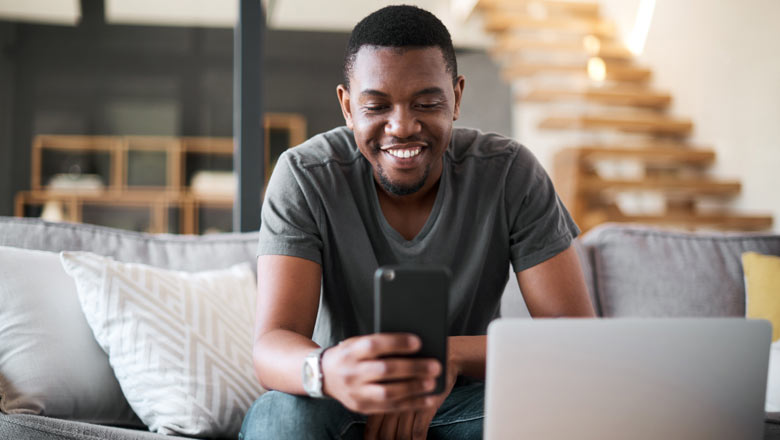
397	185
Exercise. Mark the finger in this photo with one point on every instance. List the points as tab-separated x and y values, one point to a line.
412	404
394	369
405	424
373	423
422	421
389	426
384	344
392	392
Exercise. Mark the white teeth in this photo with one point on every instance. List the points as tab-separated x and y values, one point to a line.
405	153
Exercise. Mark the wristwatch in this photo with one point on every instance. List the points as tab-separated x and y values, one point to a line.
312	374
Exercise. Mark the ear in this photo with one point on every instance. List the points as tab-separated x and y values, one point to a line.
460	83
344	101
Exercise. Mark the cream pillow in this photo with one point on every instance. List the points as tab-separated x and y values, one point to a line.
762	287
180	343
50	364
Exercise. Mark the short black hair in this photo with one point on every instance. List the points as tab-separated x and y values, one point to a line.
400	26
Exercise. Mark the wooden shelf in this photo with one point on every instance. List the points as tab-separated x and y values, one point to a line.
639	123
147	173
636	97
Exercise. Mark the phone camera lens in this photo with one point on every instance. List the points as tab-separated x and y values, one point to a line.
389	275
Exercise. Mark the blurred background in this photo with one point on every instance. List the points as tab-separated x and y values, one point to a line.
121	112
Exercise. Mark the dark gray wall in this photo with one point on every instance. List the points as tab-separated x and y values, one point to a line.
109	79
6	117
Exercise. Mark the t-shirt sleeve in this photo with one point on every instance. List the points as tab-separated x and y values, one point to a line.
289	218
540	227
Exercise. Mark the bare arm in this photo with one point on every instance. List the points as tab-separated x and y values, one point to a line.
288	291
556	288
364	372
553	288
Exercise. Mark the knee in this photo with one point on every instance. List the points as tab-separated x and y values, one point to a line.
278	415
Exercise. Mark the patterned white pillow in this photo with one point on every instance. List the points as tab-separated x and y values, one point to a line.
180	343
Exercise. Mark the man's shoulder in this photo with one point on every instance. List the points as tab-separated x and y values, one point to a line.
336	145
473	143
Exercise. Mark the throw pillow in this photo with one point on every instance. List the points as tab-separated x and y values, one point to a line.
762	287
50	364
180	343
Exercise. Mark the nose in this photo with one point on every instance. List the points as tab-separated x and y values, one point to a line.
402	123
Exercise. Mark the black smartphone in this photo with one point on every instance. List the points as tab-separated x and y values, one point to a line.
413	299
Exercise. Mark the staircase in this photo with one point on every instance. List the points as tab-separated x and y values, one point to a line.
628	159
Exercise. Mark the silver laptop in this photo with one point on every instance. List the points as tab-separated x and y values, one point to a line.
602	379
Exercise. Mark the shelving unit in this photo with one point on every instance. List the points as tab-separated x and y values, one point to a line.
142	183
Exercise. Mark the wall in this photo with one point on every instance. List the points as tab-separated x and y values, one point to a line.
720	62
6	115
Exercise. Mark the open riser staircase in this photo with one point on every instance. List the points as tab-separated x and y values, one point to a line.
616	152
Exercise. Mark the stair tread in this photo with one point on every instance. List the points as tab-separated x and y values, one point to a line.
500	21
607	49
649	152
617	72
590	9
620	96
644	123
702	186
722	220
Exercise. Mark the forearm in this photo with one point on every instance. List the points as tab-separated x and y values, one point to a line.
278	360
468	354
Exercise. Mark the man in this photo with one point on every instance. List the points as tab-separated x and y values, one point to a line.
397	185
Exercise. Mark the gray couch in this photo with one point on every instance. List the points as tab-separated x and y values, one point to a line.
631	271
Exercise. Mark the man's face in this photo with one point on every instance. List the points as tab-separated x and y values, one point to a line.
400	105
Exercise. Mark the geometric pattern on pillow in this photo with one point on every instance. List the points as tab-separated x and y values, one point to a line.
180	343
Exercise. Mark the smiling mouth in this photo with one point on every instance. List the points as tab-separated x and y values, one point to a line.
403	150
404	153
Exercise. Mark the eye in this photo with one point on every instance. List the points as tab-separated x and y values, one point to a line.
374	108
428	105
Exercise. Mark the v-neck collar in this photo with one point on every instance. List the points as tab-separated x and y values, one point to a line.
434	214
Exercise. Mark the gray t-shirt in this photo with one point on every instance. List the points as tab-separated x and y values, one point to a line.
495	204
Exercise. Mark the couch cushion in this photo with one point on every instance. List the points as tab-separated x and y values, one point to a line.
179	252
641	271
30	427
50	363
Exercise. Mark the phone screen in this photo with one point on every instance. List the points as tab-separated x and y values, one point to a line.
413	299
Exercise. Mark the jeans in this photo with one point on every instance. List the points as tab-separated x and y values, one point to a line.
277	415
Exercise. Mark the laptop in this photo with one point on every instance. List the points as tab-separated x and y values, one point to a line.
639	379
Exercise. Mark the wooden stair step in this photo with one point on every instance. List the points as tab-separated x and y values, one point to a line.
552	7
606	49
640	123
726	221
650	153
502	21
669	185
613	96
614	72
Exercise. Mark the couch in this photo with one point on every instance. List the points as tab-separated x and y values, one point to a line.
630	271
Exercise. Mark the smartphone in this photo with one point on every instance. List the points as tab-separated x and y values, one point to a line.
413	299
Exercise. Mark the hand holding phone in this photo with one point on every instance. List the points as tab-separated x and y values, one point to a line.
414	299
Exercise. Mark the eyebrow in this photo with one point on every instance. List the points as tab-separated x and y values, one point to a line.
426	91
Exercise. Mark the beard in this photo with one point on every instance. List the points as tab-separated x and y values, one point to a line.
397	189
